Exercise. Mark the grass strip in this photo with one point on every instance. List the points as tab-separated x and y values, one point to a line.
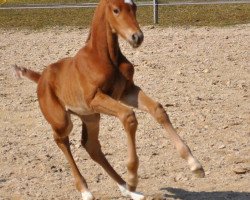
207	15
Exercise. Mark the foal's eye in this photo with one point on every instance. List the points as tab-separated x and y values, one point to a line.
116	11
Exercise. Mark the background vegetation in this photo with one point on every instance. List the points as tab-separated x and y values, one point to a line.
198	15
10	2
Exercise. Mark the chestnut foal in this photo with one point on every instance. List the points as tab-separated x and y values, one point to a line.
99	79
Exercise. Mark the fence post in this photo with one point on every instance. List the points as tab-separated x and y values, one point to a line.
155	4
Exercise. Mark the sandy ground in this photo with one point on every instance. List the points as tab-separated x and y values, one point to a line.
200	75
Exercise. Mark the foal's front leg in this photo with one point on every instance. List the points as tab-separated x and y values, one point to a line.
105	104
90	142
135	97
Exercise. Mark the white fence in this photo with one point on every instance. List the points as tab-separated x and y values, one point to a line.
153	3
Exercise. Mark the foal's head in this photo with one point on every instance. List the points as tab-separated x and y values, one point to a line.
121	16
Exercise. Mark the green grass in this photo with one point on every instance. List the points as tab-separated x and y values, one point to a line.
14	2
44	18
209	15
206	15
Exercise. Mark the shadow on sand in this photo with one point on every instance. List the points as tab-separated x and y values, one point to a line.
176	193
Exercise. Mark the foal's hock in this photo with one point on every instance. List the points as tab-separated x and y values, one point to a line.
99	80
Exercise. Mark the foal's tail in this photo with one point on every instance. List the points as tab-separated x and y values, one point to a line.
23	72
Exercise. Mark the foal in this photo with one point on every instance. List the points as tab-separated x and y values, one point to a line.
99	80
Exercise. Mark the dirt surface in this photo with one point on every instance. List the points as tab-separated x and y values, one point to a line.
200	75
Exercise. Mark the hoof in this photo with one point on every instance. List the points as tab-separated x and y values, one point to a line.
87	196
133	195
137	196
200	173
196	167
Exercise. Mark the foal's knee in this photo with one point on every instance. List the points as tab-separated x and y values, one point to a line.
129	121
160	114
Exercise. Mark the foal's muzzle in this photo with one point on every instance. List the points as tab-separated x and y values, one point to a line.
136	39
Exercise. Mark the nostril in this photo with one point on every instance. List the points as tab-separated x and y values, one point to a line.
135	38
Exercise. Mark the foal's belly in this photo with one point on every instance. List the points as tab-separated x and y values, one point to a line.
79	110
75	102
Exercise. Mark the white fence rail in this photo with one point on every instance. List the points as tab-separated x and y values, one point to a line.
153	3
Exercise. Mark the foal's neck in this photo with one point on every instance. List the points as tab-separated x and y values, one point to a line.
102	40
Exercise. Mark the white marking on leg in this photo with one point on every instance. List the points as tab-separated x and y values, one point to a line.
129	2
194	164
87	195
196	167
132	195
123	190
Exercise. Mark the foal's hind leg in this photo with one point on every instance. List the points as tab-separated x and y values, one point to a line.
137	98
81	185
61	124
